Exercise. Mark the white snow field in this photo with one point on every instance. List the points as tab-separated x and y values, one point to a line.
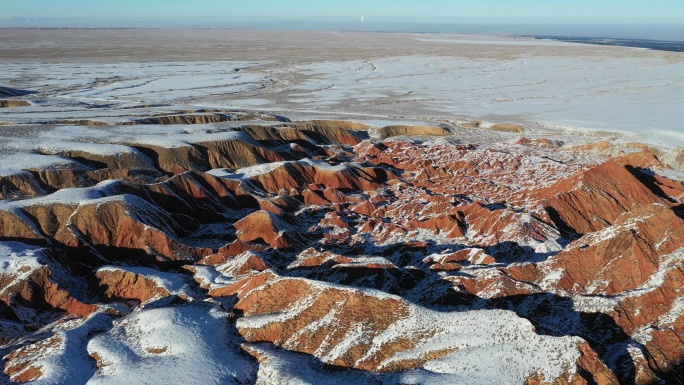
545	85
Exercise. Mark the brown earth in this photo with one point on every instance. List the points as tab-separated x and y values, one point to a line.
507	127
14	103
390	131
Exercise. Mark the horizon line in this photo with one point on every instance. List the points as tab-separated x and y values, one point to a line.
527	35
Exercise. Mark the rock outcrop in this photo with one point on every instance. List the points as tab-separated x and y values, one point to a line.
389	131
517	262
14	103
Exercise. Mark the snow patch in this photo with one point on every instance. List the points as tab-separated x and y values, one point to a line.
187	344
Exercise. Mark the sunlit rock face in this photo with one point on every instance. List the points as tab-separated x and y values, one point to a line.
295	251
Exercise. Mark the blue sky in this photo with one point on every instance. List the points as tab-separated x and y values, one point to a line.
650	19
339	10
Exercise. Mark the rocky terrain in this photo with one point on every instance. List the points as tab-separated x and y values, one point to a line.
323	251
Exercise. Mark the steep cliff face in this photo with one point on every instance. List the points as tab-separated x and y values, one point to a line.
313	252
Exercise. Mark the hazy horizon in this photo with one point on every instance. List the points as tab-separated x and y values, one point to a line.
587	28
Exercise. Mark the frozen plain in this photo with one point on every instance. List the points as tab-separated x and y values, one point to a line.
546	85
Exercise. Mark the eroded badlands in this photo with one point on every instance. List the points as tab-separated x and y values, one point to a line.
311	250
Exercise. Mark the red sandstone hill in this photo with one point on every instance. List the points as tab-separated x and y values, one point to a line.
312	249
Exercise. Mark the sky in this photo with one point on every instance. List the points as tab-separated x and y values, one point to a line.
385	10
633	18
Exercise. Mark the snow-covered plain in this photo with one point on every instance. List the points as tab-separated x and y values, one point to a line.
545	85
635	95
